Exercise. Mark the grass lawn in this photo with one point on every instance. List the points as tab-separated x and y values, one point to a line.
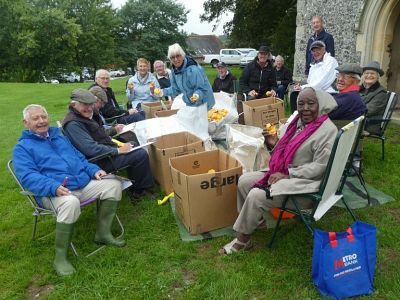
156	264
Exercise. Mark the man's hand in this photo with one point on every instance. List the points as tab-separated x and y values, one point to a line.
119	127
132	111
100	174
62	191
253	93
125	148
274	178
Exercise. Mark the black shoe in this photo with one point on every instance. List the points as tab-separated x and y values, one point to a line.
135	196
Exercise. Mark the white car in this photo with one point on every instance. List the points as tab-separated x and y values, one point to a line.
248	58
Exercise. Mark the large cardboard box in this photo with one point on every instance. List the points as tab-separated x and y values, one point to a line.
150	108
167	146
205	201
262	111
165	113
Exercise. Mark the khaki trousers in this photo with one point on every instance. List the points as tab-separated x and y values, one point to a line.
68	207
252	203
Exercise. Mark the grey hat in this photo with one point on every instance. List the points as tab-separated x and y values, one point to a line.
99	93
350	69
264	49
374	65
83	96
221	64
317	44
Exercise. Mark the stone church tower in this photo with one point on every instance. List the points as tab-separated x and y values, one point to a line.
364	30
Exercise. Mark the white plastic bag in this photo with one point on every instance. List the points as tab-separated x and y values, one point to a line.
246	144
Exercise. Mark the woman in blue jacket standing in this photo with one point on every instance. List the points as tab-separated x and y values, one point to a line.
188	78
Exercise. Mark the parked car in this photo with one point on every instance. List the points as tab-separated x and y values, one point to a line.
69	77
245	50
248	58
117	73
228	56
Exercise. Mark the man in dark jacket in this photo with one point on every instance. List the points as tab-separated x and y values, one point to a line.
48	165
283	76
224	80
319	35
112	109
89	137
259	77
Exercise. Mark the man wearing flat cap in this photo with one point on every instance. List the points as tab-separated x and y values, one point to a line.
89	137
259	77
224	80
322	73
373	94
350	103
319	35
61	178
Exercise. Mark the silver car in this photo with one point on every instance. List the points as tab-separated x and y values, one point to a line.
248	58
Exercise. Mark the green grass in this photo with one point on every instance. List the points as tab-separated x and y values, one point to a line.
156	264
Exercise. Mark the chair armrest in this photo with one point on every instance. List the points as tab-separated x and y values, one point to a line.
114	119
27	193
101	156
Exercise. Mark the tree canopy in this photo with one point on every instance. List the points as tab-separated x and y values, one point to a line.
52	36
255	23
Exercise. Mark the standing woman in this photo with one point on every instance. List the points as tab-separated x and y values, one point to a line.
140	87
188	78
373	94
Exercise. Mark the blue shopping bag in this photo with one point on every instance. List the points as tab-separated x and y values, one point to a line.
343	263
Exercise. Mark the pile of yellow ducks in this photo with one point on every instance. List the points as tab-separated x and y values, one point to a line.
270	129
217	114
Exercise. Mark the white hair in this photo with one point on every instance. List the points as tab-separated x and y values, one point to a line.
26	113
101	71
158	62
175	49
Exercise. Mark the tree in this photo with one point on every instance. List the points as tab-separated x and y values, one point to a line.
270	22
148	28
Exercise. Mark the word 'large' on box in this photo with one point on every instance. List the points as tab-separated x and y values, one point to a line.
150	108
205	186
167	146
262	111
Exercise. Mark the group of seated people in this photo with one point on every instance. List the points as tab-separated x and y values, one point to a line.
55	167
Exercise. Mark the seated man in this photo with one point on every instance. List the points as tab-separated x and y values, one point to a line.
112	109
322	72
258	76
49	166
89	137
111	130
224	80
283	76
350	104
297	165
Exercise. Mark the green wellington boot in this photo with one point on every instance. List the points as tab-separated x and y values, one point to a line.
105	217
63	239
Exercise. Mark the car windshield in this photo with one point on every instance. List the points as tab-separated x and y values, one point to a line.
252	53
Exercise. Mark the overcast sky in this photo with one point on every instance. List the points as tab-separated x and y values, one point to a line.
193	24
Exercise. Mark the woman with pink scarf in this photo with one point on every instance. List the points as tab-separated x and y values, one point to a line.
297	165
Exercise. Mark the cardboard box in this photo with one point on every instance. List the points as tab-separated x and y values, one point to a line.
167	146
205	201
165	113
262	111
150	108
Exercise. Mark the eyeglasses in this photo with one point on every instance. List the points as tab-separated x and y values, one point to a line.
104	78
345	76
175	56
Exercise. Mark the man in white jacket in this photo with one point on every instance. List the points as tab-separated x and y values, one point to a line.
322	73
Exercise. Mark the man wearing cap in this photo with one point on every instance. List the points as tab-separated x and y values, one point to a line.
111	109
89	137
319	35
224	80
373	94
350	104
259	77
322	73
48	165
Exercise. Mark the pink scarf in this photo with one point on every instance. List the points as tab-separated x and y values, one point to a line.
284	151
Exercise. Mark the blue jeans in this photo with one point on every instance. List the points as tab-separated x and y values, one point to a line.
281	91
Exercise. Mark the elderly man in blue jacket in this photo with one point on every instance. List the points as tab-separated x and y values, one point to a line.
59	175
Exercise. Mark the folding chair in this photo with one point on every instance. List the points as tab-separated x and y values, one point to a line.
332	183
239	98
39	211
384	121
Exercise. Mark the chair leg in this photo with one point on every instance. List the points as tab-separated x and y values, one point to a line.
362	181
349	209
35	217
275	229
383	149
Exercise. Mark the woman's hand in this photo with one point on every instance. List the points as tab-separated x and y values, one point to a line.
271	140
274	178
